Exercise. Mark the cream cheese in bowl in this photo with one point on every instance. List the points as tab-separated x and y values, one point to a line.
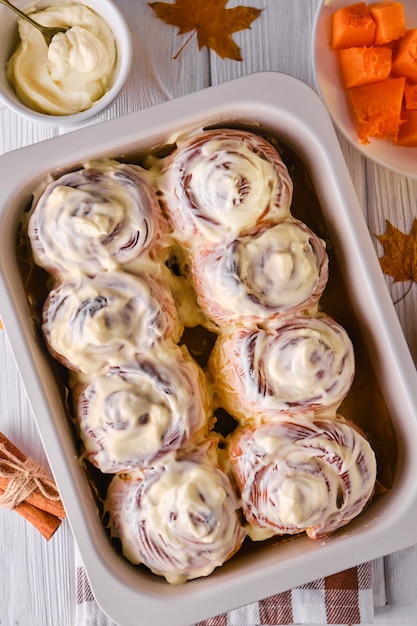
81	73
76	69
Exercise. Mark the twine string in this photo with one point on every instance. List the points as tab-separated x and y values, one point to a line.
24	478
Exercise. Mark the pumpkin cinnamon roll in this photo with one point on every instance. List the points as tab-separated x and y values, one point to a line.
180	519
221	183
100	217
93	322
261	277
305	364
139	413
302	474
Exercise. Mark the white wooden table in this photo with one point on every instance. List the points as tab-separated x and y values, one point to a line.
37	578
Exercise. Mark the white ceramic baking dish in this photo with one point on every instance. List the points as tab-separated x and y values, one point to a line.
288	109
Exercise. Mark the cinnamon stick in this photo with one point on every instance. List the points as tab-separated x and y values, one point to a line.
37	499
52	504
43	521
40	503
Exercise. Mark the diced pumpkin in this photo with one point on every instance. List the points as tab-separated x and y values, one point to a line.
404	56
390	21
360	66
410	96
407	135
352	26
377	108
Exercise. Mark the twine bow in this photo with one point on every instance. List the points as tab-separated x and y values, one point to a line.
24	478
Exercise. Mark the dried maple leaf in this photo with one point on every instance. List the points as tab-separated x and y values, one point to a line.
210	21
400	253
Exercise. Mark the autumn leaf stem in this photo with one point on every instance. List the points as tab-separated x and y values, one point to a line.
404	294
184	44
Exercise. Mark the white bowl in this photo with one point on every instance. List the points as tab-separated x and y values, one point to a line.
327	76
8	42
288	109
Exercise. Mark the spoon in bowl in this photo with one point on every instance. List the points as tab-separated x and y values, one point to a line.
48	32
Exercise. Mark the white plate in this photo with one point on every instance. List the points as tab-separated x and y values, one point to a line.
288	109
328	81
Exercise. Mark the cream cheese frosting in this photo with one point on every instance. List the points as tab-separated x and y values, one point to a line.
100	217
224	182
275	271
302	474
180	519
306	364
143	411
74	71
107	319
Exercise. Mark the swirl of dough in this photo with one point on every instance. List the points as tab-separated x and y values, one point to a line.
306	364
180	519
302	474
262	276
138	413
93	322
97	218
222	183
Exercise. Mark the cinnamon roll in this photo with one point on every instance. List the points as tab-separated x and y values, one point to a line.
97	218
262	276
221	183
302	474
92	322
306	364
180	519
138	413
